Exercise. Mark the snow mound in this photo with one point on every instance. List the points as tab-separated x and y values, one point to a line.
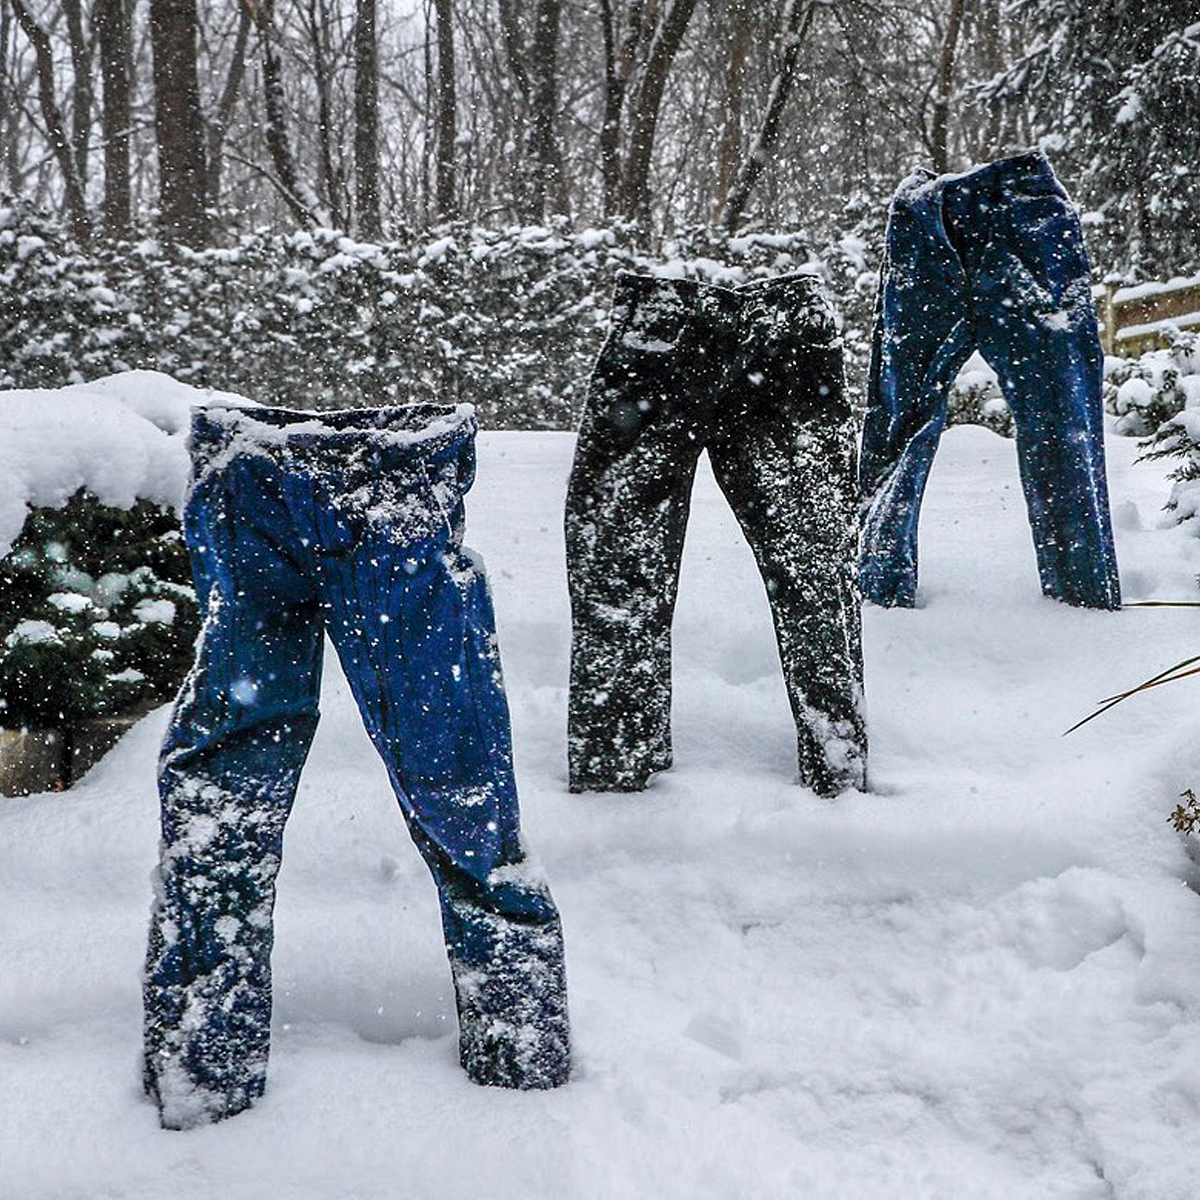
978	982
121	437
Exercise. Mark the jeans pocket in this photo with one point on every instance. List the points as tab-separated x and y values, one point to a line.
824	390
1048	262
395	507
820	322
649	324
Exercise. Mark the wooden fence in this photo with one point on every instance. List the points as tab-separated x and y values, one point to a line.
1134	319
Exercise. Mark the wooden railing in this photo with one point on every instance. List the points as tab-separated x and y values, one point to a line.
1134	319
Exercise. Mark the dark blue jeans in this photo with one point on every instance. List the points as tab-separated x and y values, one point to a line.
348	523
992	260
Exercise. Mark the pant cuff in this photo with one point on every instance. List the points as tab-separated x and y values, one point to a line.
185	1104
512	1022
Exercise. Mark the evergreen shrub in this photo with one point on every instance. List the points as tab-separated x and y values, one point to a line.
97	613
1159	392
1144	393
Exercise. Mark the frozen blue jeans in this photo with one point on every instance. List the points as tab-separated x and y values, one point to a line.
348	523
993	260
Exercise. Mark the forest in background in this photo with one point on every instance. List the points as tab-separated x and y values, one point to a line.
328	203
203	122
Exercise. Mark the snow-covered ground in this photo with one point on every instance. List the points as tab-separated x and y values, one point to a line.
981	980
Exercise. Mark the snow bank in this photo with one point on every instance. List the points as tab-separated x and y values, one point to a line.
121	437
979	982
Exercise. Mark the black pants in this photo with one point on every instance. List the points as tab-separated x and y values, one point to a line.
754	374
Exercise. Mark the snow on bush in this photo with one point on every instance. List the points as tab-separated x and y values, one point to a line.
1159	393
120	438
976	398
97	612
1145	392
507	319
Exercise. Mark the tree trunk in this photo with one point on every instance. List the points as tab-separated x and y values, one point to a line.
513	51
516	90
219	125
286	178
646	102
178	122
116	70
545	164
56	130
618	70
8	109
330	176
447	119
735	91
797	17
992	61
82	90
939	134
366	120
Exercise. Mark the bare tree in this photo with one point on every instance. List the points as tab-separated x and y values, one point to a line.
81	44
179	125
545	163
218	125
618	65
645	103
116	69
366	119
369	113
735	92
331	176
797	17
56	130
8	106
940	115
447	119
286	178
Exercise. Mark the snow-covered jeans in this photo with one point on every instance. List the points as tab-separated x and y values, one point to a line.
348	523
753	374
993	260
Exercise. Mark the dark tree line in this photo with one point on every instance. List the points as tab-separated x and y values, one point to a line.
213	117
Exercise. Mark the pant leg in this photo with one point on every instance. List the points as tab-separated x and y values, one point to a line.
783	453
238	737
1036	324
626	516
922	337
411	617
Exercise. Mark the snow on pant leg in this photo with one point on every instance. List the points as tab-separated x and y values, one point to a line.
626	516
238	737
782	450
922	337
1035	322
409	612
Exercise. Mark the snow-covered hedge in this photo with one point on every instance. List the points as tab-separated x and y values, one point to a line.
507	319
97	611
1159	393
1145	392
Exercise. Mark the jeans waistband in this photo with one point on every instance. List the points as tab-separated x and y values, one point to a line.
702	292
389	436
1028	172
800	299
